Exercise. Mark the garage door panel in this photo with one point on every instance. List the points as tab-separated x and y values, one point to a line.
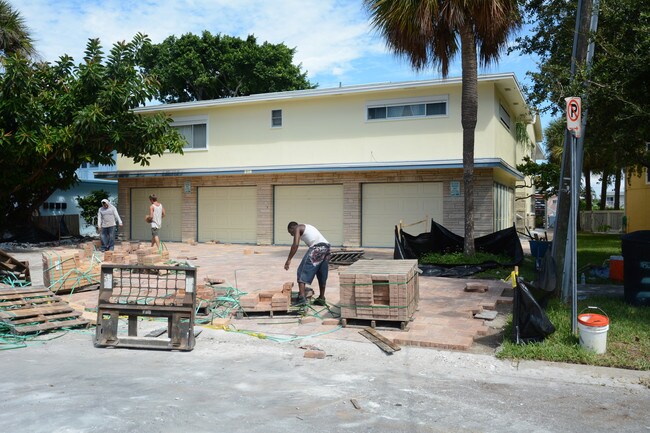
228	214
171	199
318	205
385	205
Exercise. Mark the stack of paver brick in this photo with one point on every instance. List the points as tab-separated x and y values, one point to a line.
65	270
268	300
134	253
379	290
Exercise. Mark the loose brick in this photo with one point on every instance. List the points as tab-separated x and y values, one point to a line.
314	354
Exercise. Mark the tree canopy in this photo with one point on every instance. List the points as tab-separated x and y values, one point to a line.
194	68
54	117
616	98
14	34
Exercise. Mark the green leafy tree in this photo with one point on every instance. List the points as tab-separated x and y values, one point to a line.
616	101
433	32
14	34
194	68
90	204
54	117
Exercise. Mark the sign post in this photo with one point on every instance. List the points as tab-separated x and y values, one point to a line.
574	124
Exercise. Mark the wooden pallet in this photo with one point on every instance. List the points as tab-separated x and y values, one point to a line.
14	269
36	309
388	325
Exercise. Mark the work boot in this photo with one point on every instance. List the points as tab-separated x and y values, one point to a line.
300	301
320	301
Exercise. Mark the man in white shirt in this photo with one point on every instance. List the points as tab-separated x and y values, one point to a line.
315	263
107	220
156	215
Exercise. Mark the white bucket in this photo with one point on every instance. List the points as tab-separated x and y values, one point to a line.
593	331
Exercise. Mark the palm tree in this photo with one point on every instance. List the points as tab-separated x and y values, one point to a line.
428	32
14	34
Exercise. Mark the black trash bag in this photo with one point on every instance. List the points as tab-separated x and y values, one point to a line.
529	321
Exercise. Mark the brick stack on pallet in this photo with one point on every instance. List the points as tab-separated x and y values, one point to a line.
66	270
379	290
268	300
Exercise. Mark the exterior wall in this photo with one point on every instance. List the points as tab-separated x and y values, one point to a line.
69	197
335	131
453	206
637	197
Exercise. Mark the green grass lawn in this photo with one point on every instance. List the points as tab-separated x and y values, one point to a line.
628	338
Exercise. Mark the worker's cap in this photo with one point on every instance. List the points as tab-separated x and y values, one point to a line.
104	201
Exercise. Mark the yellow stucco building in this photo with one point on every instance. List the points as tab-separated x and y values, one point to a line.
353	161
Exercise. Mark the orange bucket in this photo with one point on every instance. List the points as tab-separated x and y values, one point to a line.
593	320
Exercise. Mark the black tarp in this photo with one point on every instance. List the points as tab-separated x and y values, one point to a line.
529	321
440	240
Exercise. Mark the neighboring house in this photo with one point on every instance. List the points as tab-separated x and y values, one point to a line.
353	161
609	200
637	199
65	203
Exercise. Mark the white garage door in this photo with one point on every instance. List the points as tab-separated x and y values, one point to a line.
384	205
171	199
318	205
228	214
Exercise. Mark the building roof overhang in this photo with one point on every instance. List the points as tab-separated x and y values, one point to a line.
496	163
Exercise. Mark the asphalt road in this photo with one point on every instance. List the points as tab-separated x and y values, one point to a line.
237	383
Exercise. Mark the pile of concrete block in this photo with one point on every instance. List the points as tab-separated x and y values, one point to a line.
379	290
268	300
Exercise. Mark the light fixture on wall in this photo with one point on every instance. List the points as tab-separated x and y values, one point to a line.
188	187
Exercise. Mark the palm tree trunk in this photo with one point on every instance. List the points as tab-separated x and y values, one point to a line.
469	114
617	189
588	203
603	191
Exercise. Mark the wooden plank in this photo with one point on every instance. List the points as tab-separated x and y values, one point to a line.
50	325
382	342
20	294
59	307
30	301
43	318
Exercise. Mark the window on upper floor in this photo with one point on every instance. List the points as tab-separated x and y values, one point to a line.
276	118
407	108
504	117
195	131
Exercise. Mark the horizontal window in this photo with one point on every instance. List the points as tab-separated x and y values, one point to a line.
195	132
408	110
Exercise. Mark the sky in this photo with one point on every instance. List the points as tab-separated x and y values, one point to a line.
333	39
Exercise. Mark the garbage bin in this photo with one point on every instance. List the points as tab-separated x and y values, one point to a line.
538	250
636	267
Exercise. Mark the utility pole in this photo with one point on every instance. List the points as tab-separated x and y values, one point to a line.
578	56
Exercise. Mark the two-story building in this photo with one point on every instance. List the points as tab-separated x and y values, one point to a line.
353	161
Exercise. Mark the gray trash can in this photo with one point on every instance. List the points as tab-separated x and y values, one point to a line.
636	267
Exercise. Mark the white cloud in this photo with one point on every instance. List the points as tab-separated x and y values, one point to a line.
333	38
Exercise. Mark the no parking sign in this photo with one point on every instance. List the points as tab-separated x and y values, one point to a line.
574	115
